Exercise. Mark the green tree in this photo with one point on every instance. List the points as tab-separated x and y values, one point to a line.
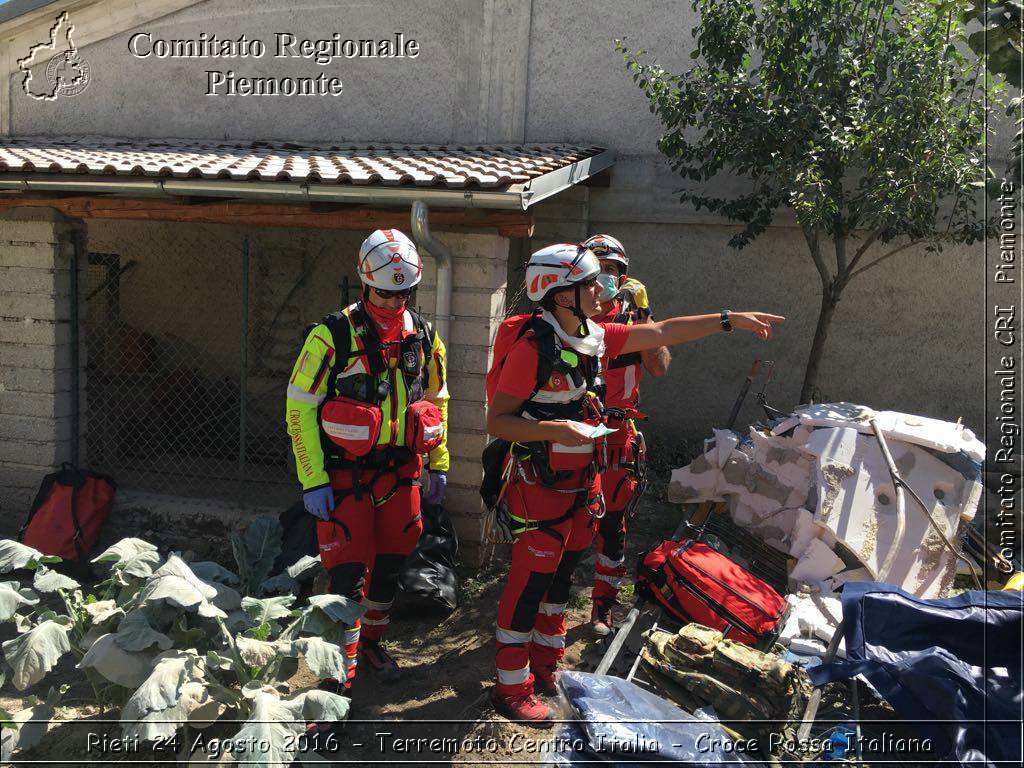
862	117
1000	43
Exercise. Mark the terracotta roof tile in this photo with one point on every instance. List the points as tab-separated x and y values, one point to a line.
393	165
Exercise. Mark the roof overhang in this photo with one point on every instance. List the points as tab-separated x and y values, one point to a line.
16	8
496	177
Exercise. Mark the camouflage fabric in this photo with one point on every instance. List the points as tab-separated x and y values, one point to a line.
699	668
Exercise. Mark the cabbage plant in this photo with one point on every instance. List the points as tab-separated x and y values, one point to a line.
178	644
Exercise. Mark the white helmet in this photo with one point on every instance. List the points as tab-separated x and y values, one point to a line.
607	247
559	266
389	260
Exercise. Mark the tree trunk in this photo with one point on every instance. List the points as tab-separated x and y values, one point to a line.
828	309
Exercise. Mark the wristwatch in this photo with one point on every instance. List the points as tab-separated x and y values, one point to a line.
726	322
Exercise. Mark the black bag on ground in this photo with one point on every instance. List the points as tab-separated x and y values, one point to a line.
428	574
298	539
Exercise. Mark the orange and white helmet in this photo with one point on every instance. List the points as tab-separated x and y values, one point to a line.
607	247
388	260
559	266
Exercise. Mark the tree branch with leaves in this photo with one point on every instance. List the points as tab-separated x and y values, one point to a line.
864	118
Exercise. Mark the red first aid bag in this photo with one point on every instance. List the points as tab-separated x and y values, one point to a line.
68	512
351	424
696	583
424	426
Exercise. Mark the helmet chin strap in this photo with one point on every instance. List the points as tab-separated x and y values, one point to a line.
582	331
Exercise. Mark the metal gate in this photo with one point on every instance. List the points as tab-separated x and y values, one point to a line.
185	380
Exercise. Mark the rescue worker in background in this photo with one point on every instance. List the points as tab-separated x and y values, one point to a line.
544	402
623	300
367	399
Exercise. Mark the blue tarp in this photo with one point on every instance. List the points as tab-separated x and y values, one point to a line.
951	667
623	724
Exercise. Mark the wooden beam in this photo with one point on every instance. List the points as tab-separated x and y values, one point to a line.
200	211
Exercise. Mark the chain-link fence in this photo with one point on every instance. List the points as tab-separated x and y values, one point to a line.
190	333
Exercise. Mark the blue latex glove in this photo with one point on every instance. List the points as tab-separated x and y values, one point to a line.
319	502
438	484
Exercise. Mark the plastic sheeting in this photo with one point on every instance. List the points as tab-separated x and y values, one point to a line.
625	725
947	666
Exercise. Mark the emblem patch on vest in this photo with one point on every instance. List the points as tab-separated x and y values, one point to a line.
409	359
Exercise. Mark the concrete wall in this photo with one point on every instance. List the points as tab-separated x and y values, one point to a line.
546	70
908	335
36	249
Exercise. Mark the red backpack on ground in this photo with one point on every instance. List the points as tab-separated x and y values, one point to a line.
696	583
68	512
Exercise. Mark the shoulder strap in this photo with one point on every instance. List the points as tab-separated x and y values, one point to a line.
424	330
341	335
371	341
547	350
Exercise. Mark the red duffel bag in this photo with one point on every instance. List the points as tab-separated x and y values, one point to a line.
696	583
68	512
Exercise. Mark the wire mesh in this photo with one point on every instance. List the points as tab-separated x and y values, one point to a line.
189	344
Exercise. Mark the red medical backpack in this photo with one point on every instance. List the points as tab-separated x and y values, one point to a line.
68	512
696	583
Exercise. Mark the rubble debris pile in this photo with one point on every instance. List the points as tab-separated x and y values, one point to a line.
816	486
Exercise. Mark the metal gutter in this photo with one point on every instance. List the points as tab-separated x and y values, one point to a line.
554	182
283	192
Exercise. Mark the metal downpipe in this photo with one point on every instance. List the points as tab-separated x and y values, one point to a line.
443	298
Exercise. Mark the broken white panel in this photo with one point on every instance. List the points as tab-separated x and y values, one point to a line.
816	564
836	444
840	414
813	617
860	511
785	425
785	458
803	533
944	436
725	471
701	479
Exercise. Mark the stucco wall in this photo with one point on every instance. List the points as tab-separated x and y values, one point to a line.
906	335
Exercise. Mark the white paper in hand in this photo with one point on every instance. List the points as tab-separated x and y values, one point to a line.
593	431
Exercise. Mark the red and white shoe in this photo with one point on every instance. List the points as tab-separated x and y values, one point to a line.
525	708
602	620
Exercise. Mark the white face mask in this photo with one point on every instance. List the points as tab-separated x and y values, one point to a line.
591	344
609	287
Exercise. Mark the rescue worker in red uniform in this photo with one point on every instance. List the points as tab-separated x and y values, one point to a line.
545	405
623	300
367	399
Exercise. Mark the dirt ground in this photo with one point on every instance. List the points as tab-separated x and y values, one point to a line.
448	671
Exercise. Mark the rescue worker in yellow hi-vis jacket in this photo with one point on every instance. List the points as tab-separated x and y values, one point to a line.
367	399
